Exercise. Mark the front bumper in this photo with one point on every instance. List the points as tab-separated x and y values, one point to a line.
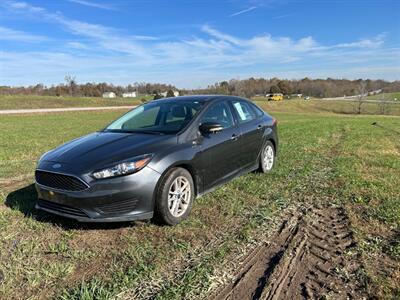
118	199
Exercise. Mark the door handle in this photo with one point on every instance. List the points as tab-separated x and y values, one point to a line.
234	137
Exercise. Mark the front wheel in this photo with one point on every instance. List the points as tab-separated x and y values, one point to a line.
267	157
175	197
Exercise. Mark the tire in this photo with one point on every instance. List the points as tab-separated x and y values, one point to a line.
267	157
173	205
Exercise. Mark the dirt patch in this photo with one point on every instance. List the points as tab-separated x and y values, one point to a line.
307	259
10	184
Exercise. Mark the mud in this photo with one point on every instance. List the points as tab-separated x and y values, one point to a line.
306	259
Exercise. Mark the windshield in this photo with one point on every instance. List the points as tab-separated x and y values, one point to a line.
164	117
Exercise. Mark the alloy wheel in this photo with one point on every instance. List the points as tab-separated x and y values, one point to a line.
179	196
268	160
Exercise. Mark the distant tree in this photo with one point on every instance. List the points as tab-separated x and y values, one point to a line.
284	87
38	89
157	96
71	83
224	87
362	92
170	93
58	90
224	84
384	107
274	89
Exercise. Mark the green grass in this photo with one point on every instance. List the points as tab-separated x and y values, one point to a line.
342	158
291	106
30	101
25	138
327	106
385	96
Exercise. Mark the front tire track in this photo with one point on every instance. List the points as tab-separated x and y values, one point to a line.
306	263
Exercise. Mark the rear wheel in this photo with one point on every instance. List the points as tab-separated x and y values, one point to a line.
267	158
175	197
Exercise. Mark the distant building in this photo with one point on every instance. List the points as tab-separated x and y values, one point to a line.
375	92
109	95
129	95
297	95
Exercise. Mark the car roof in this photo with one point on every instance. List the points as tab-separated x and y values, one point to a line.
201	98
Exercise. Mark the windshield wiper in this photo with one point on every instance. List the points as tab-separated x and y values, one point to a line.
135	131
144	132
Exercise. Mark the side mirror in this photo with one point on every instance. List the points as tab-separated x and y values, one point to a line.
210	127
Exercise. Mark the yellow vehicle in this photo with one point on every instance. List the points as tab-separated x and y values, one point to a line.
275	97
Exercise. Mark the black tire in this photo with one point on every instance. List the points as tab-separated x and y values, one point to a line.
162	212
263	167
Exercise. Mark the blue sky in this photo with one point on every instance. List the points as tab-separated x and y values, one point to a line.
193	43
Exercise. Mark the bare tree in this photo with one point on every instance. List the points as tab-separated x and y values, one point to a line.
71	83
361	94
384	107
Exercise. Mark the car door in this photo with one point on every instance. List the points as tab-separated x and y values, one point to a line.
219	151
251	131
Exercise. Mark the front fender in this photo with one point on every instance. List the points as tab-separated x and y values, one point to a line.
183	155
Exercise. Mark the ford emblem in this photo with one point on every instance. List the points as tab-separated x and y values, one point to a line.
56	166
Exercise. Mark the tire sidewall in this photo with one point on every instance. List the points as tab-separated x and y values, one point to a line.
263	168
161	207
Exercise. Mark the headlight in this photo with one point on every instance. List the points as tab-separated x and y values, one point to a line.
124	168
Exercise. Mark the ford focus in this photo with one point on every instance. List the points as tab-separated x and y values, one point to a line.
155	160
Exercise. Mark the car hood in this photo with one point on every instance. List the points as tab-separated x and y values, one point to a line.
101	149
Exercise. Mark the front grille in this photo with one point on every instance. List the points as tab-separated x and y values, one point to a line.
59	181
65	209
118	207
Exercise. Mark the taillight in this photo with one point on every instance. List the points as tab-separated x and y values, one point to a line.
274	121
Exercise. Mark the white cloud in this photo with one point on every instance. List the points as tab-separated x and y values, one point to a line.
16	5
8	34
77	45
375	42
93	4
282	16
219	35
243	11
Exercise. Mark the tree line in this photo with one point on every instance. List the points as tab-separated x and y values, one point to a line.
72	88
247	87
311	87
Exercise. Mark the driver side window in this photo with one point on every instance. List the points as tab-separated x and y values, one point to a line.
220	113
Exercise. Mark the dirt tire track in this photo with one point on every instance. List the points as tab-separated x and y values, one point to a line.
304	261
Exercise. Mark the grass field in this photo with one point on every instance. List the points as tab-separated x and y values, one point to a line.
292	106
26	102
323	155
328	106
385	96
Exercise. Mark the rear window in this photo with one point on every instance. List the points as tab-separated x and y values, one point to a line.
244	111
259	112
